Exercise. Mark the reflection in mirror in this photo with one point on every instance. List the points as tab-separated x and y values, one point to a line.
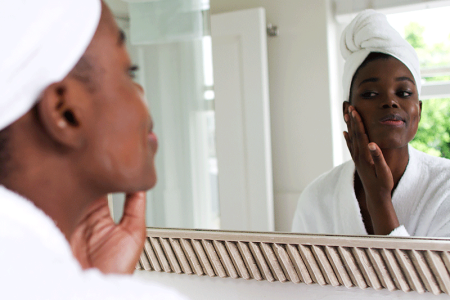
304	63
395	189
424	31
176	71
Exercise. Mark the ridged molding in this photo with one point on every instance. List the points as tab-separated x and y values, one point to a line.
407	264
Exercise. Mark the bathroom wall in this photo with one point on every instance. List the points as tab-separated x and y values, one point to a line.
299	83
207	288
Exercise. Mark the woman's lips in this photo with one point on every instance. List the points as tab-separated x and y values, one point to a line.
393	123
392	120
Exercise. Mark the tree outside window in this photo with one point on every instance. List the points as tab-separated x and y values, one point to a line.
433	135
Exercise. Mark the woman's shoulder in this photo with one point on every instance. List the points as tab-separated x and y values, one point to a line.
430	161
431	171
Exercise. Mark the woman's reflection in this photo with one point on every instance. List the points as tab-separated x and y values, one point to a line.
388	188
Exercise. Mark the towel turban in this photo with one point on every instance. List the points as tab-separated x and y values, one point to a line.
370	32
42	40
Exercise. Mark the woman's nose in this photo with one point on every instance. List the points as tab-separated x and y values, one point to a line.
390	102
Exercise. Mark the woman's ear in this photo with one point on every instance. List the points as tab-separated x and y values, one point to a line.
420	109
60	110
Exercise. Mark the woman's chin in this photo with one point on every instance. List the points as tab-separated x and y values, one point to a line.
151	184
144	182
150	181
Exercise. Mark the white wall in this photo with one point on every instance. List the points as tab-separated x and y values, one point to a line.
299	80
207	288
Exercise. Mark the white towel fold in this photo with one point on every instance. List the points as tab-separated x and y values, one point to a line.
371	32
34	251
41	43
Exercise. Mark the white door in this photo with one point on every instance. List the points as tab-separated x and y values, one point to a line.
242	120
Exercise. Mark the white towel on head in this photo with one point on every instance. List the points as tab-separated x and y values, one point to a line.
41	43
370	32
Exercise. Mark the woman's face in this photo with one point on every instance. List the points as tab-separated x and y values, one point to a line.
385	95
121	145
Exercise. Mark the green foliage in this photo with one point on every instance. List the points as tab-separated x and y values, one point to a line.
434	55
414	35
433	136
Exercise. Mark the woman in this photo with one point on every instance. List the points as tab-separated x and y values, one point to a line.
74	127
388	187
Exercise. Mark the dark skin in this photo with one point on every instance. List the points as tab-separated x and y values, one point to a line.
83	141
382	117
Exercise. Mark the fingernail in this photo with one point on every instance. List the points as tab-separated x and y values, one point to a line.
372	147
353	114
346	117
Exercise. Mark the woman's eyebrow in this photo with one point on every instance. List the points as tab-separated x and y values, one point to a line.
404	78
376	79
371	79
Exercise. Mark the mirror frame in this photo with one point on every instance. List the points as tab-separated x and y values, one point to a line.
407	264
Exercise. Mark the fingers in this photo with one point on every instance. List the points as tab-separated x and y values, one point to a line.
381	168
357	135
97	204
349	143
349	134
362	140
96	210
134	211
357	125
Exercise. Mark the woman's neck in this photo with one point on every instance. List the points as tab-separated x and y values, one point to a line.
47	176
397	160
59	198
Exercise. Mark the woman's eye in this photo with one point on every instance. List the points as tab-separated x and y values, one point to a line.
132	71
404	94
368	94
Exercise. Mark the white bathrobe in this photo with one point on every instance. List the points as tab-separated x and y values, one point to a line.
421	200
36	262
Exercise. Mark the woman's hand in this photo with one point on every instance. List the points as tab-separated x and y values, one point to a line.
98	242
374	173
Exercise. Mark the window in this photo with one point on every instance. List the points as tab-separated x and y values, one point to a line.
426	32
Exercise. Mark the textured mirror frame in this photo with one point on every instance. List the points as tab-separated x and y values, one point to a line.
407	264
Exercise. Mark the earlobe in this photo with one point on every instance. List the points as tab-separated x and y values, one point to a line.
420	109
58	115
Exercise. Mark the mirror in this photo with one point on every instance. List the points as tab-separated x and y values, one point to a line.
299	156
302	147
